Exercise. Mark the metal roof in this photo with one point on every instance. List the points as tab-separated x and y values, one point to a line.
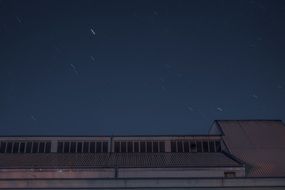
120	160
130	137
260	143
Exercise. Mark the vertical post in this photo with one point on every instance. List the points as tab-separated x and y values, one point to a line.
53	146
167	146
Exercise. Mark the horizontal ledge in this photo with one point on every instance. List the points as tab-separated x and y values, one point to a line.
143	183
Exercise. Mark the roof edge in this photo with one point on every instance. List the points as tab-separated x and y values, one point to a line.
234	158
169	135
219	120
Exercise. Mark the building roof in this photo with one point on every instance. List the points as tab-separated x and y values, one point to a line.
259	143
120	160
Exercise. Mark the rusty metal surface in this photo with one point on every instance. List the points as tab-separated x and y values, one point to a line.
105	160
261	144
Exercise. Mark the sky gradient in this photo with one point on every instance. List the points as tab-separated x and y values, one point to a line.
139	67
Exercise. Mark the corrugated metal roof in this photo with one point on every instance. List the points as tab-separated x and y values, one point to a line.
105	160
260	143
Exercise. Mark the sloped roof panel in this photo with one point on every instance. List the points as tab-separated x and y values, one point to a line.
106	160
260	143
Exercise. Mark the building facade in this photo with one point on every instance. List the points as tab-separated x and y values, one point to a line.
233	154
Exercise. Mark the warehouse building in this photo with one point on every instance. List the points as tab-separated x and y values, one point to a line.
244	154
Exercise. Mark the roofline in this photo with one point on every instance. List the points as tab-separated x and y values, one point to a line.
218	120
174	135
41	168
147	135
234	158
220	128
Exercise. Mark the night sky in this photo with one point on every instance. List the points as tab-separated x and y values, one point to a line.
139	67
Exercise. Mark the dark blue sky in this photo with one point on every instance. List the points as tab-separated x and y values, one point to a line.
139	67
